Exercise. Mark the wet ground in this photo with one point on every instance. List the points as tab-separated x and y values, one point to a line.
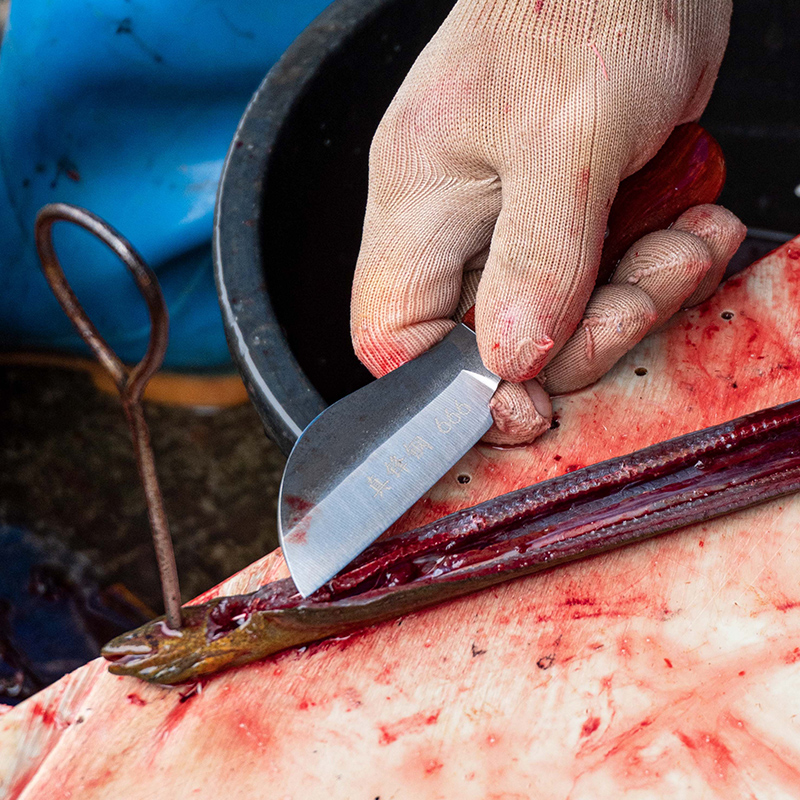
67	468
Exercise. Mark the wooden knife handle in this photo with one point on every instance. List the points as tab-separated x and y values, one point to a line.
689	170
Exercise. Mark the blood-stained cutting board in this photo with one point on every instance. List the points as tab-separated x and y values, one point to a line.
667	669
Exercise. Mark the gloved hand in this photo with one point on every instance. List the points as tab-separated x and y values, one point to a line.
503	149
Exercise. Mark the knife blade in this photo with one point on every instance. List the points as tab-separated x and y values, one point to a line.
369	457
365	460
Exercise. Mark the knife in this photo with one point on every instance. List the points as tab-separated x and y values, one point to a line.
369	457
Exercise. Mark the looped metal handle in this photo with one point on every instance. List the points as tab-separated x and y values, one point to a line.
131	383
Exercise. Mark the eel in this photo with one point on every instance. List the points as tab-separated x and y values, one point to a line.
664	487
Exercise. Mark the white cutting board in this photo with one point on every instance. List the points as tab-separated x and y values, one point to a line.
668	669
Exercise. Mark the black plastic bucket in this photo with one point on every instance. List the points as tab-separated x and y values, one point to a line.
293	191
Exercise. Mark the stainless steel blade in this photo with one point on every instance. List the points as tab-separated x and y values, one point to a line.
368	458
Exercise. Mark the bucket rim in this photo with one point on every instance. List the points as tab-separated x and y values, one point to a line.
284	397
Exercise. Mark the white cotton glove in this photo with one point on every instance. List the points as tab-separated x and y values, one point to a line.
503	149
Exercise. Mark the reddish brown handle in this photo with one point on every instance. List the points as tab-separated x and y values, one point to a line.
689	170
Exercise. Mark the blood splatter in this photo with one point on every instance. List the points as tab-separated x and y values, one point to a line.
134	699
46	715
590	726
391	732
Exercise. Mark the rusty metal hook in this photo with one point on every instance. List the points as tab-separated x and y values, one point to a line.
130	382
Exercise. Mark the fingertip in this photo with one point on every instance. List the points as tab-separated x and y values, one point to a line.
382	348
617	318
669	254
540	399
720	228
513	339
517	418
668	265
722	232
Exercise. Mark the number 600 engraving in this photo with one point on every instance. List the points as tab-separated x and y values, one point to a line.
452	416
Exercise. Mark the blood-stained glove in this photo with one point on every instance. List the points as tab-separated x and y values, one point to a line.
503	149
